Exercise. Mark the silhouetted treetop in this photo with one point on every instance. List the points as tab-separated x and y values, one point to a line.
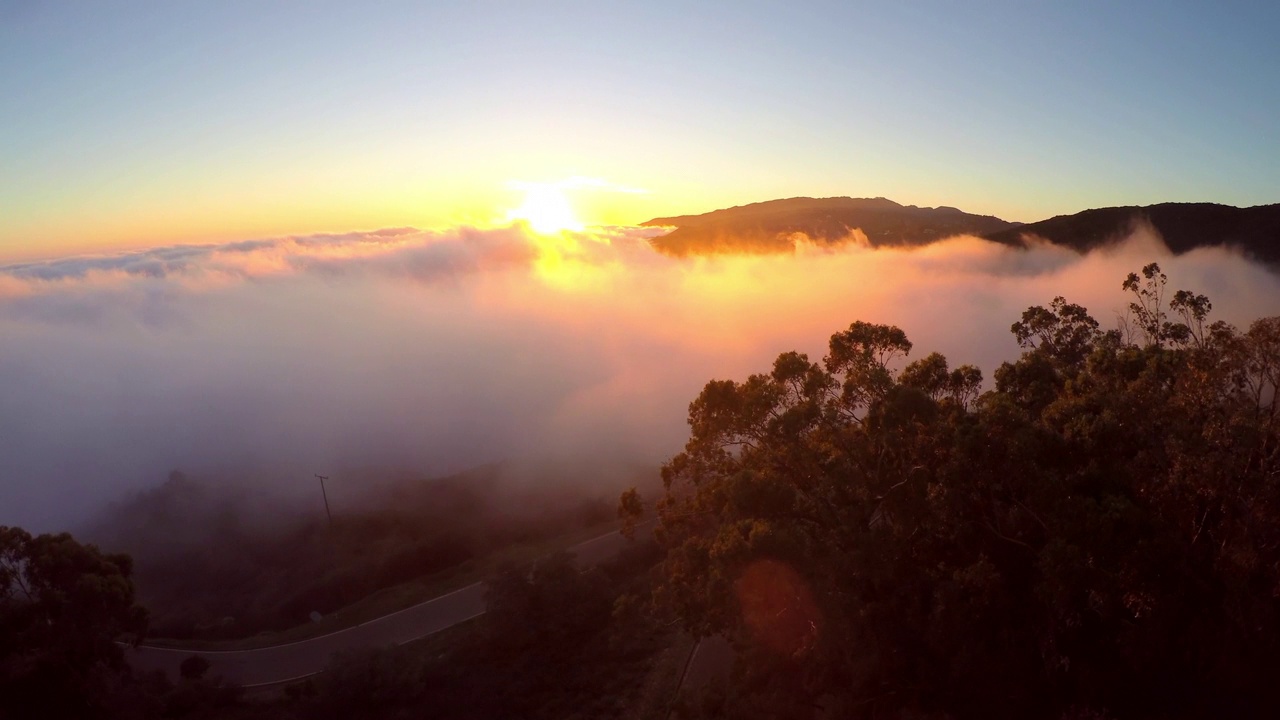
63	606
1097	533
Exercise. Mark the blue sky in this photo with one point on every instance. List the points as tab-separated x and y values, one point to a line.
135	123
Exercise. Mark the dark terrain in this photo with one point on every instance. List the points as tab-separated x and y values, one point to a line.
214	562
770	227
767	227
1184	227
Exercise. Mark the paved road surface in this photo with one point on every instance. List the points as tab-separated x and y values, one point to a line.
281	663
711	662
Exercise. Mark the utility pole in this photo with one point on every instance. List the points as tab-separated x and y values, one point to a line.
326	498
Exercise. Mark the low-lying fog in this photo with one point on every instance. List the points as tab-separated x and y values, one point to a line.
273	360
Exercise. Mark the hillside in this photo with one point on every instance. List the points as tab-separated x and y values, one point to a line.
1184	227
768	226
213	562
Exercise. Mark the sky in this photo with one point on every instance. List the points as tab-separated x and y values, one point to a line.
126	125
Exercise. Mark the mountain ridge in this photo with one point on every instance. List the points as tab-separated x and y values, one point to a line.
1254	230
771	226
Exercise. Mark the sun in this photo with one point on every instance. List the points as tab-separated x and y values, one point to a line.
546	209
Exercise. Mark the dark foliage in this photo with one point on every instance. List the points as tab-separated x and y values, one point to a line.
549	646
62	606
193	668
1098	536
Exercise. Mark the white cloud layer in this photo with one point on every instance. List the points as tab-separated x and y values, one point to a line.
273	359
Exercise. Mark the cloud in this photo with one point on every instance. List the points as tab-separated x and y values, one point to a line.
397	250
270	360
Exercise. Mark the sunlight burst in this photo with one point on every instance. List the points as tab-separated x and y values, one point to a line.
546	210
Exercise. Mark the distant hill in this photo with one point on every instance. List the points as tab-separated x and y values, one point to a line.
1184	227
769	226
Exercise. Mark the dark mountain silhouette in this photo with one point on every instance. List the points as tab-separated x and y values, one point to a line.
770	226
1184	227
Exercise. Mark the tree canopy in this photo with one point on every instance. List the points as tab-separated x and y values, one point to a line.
63	606
1097	535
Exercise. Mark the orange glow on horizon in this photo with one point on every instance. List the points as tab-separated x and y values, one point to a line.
573	204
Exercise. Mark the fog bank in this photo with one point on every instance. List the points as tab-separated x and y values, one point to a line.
269	360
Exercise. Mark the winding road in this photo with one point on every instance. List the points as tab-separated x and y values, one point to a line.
296	660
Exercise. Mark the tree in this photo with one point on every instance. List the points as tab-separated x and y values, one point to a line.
193	668
63	606
548	609
1099	535
1065	332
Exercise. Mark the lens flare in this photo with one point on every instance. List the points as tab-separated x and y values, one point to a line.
778	607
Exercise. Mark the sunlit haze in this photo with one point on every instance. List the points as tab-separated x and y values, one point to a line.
441	351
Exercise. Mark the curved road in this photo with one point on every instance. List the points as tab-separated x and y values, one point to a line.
296	660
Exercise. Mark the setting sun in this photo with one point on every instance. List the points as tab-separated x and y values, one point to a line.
546	209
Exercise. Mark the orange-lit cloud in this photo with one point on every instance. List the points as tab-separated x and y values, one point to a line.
437	350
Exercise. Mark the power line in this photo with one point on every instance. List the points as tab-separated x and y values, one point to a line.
326	498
